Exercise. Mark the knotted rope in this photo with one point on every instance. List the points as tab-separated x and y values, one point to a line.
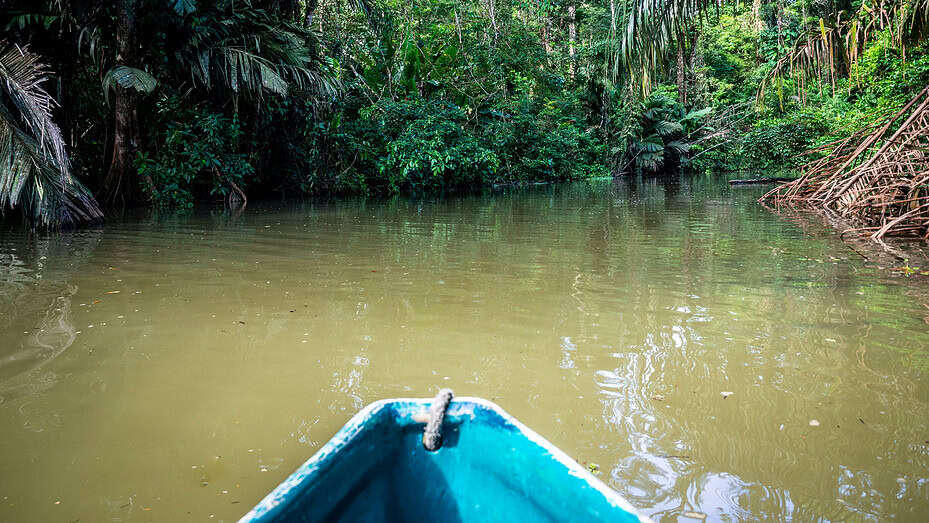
432	437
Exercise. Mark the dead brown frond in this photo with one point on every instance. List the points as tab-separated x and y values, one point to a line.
878	176
833	47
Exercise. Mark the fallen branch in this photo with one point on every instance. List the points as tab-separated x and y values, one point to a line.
758	181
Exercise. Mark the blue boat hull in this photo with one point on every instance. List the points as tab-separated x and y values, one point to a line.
490	468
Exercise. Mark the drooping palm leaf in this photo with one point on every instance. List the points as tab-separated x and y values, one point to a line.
667	127
34	168
127	78
250	52
652	29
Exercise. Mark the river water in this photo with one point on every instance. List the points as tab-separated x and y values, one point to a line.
177	367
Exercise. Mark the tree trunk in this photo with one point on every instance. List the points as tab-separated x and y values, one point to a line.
756	16
492	9
681	74
780	26
543	32
759	27
572	40
125	128
697	95
311	6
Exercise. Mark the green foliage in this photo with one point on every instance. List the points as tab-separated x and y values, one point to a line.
421	146
542	141
198	154
885	77
427	148
778	143
730	49
128	78
291	98
657	137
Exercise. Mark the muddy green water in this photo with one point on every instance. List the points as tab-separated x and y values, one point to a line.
174	368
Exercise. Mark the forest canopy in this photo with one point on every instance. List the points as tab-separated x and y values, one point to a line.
169	102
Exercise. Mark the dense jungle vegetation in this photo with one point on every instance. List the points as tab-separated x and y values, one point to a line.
170	102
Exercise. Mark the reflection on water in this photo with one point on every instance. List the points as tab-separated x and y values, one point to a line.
180	366
35	301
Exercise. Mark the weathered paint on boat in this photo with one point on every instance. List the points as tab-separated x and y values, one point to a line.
490	467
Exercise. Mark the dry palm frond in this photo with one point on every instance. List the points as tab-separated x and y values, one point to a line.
815	54
878	176
34	168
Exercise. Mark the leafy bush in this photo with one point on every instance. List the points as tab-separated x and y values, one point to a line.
421	146
196	154
777	143
886	78
430	149
542	141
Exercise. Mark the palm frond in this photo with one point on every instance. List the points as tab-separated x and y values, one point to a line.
815	53
668	127
249	52
185	7
697	114
652	29
127	78
679	147
34	167
22	20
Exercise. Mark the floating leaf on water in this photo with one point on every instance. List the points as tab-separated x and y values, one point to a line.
694	515
111	292
726	394
814	423
658	397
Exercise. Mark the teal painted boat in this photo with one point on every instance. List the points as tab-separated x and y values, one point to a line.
489	467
